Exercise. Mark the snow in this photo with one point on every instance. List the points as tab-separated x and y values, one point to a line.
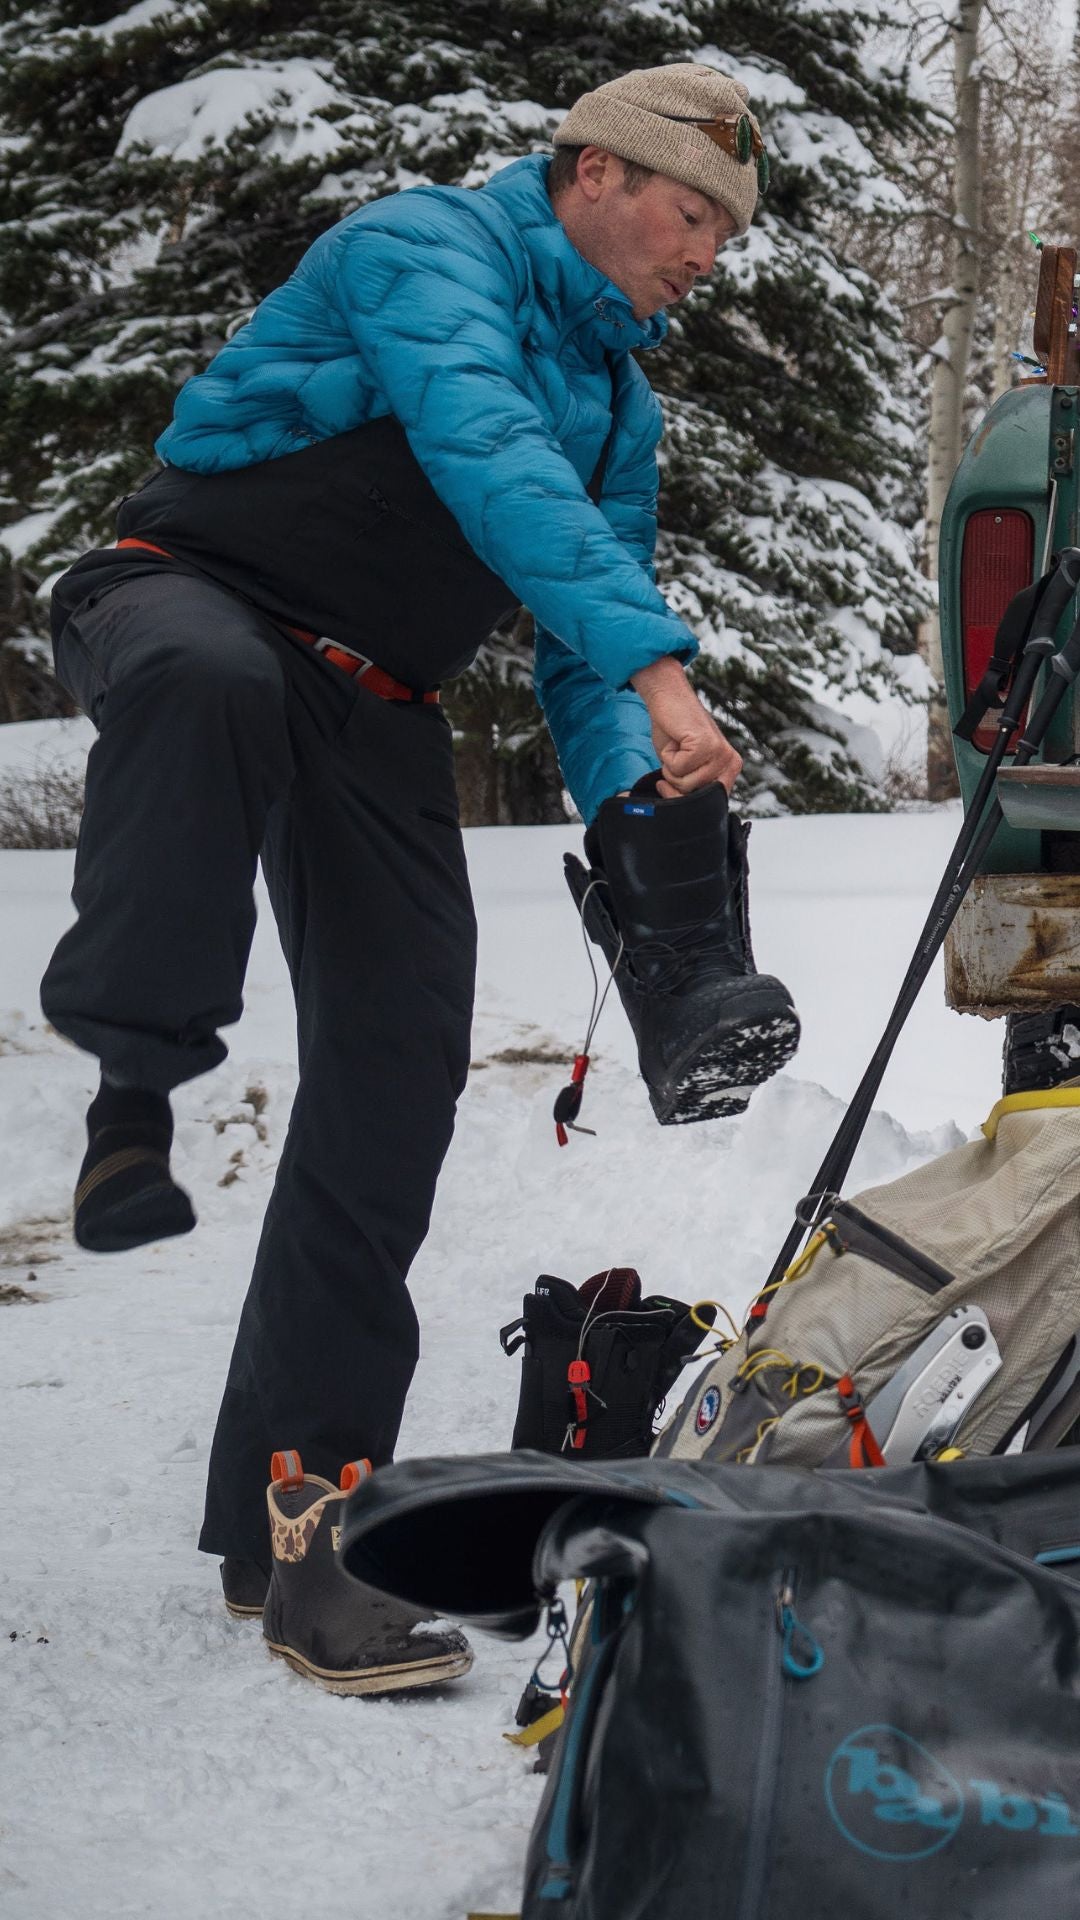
157	1762
140	15
182	122
20	535
31	746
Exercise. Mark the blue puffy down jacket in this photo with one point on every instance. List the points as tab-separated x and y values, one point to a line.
470	316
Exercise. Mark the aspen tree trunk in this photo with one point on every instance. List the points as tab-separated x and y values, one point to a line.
950	367
1012	270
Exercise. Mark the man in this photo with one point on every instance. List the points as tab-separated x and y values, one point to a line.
398	448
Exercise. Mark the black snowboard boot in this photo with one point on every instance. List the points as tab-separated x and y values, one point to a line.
1041	1049
597	1364
125	1195
669	878
329	1627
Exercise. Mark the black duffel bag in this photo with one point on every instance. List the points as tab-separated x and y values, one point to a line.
802	1693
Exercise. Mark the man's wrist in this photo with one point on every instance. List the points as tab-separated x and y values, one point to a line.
658	675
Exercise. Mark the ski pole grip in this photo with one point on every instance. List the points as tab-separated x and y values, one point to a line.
1067	662
1063	669
1062	585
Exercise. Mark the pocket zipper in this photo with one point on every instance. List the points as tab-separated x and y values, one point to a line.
849	1231
800	1659
559	1883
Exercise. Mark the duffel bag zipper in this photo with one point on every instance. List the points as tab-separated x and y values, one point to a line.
799	1658
559	1883
849	1231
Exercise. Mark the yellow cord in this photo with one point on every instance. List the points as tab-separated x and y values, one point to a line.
758	1438
762	1358
798	1266
709	1326
795	1391
806	1258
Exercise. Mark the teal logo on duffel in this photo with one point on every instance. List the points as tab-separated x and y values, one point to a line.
890	1797
893	1800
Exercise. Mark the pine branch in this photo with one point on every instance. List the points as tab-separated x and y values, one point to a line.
92	307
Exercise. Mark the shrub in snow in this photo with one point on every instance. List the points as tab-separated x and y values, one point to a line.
41	809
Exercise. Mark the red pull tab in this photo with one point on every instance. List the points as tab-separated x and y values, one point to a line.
579	1374
568	1101
864	1450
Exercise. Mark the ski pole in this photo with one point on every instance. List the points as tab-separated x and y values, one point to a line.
974	838
1064	668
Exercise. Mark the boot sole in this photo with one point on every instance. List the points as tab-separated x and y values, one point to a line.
402	1677
240	1612
716	1080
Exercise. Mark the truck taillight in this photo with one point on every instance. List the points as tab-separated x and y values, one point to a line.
996	562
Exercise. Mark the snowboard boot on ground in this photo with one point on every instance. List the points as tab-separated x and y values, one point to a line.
668	879
597	1364
245	1584
125	1195
1041	1049
329	1627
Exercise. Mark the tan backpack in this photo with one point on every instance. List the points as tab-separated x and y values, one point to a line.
978	1252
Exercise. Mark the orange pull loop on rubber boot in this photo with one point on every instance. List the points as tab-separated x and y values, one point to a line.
353	1473
286	1470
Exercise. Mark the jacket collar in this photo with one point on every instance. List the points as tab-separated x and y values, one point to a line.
580	296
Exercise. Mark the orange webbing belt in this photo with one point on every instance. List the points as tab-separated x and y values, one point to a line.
356	665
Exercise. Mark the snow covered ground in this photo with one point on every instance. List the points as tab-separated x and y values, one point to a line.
156	1761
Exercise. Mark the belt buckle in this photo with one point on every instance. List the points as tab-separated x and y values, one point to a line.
324	642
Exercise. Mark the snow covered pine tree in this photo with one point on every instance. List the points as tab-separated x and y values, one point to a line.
162	168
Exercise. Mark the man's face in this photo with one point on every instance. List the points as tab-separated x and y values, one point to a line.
654	244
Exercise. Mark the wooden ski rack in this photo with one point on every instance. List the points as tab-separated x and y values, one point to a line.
1056	337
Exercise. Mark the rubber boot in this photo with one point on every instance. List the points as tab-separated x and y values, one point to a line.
328	1626
598	1362
665	897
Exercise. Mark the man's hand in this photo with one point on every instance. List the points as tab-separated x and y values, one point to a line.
693	752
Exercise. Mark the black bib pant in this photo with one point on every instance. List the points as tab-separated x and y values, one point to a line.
220	740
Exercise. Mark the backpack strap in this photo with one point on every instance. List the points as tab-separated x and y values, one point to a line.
1032	1102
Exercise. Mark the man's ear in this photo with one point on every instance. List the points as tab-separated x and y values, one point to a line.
596	171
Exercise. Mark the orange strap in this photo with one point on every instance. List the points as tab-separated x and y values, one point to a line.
147	544
864	1450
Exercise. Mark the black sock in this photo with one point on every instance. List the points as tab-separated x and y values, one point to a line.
126	1195
117	1104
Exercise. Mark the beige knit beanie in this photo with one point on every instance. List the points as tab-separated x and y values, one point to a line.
648	116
